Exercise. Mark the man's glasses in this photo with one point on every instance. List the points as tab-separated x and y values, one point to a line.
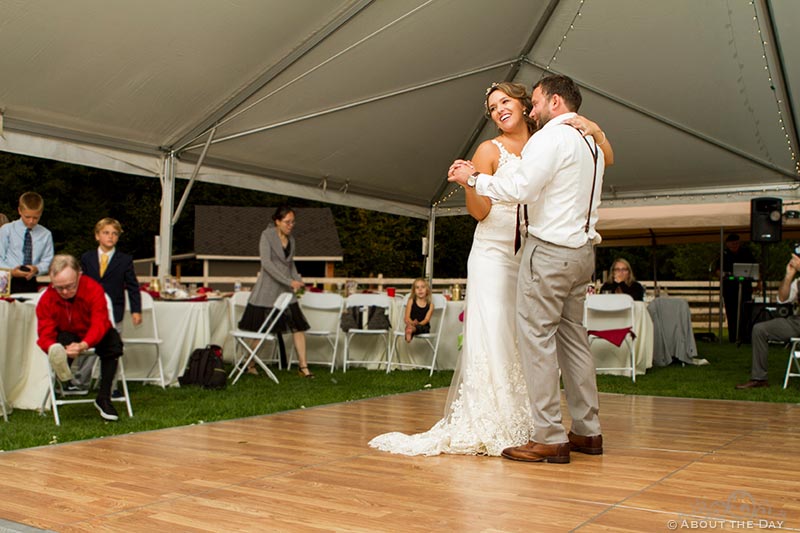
66	288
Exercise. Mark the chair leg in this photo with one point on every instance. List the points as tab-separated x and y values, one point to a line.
788	368
433	358
335	349
265	368
391	352
792	358
121	379
346	352
241	368
51	394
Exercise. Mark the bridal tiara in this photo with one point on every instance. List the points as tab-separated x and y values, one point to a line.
492	87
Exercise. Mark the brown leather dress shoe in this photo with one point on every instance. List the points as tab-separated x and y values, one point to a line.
753	384
589	445
534	452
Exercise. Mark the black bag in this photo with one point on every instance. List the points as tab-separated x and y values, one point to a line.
350	319
205	368
378	318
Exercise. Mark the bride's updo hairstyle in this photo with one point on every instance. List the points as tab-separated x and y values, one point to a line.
516	91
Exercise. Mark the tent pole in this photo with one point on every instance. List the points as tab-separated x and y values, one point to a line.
165	227
721	251
193	177
653	244
429	259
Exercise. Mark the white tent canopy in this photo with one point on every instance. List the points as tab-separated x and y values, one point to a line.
365	103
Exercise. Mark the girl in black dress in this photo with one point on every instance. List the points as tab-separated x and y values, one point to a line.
419	309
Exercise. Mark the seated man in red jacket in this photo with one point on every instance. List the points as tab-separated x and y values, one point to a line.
73	317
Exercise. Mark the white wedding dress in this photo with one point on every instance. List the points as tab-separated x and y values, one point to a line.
488	408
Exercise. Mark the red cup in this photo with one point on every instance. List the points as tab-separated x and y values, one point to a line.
390	292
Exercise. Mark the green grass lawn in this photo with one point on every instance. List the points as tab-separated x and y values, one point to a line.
155	408
729	366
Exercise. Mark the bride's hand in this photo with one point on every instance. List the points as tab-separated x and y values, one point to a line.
584	125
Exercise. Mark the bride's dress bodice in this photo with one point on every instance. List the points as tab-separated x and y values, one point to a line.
487	407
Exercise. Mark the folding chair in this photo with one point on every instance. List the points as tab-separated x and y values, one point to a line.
236	306
365	301
264	333
431	339
323	311
794	357
610	317
58	399
146	335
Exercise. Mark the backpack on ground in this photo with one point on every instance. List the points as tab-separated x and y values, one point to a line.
205	368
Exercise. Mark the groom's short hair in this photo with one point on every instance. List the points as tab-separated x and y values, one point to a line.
564	87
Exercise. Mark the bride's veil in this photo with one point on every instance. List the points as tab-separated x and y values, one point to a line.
458	376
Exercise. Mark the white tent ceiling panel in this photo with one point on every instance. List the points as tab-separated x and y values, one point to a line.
328	145
404	50
143	70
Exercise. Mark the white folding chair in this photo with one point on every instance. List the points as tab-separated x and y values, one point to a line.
365	301
265	333
58	399
794	358
323	310
236	306
431	339
607	313
146	334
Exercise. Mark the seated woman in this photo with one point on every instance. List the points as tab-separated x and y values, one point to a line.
623	281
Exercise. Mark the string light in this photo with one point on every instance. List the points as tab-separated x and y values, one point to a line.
564	37
547	68
762	146
778	101
446	197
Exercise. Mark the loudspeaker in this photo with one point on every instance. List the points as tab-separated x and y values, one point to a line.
755	312
765	219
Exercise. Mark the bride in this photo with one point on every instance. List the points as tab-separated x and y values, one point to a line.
488	406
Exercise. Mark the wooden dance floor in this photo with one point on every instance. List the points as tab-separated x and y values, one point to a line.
669	464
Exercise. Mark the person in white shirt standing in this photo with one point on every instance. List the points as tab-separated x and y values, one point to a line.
559	179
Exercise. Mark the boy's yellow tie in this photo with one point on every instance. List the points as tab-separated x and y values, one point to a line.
103	264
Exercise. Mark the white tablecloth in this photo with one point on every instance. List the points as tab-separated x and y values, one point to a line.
183	326
608	355
22	364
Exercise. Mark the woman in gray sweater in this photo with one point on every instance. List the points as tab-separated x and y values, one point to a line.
278	274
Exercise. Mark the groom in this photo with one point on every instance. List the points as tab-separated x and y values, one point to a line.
560	176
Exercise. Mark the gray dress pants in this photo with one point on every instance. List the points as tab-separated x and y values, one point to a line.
776	330
550	297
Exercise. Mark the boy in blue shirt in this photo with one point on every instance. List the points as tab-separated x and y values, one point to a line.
26	247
